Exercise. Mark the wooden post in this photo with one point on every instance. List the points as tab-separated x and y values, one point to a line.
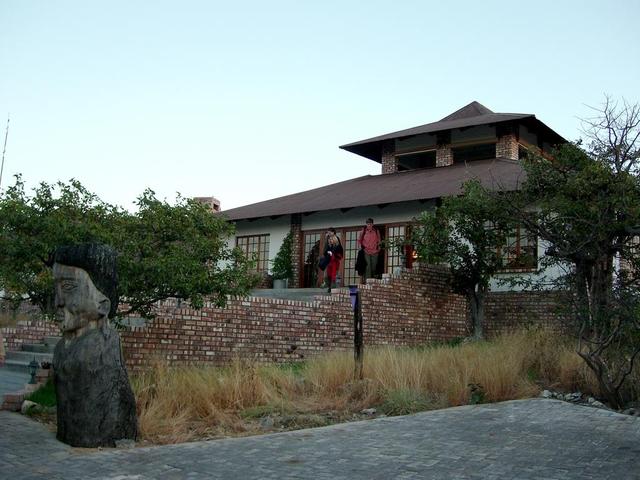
358	344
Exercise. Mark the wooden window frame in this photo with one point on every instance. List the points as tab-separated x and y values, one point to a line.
262	260
512	266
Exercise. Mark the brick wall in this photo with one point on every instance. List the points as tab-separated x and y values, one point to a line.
409	309
388	158
506	311
507	147
389	162
31	330
444	156
296	249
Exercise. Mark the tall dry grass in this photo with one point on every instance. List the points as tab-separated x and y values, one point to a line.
181	404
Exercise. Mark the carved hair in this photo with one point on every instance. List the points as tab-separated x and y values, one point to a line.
99	261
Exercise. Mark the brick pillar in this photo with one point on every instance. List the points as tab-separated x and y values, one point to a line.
507	147
444	156
296	249
389	160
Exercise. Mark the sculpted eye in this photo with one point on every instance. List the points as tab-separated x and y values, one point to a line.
67	286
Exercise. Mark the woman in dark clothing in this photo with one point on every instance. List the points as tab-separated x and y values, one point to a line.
333	250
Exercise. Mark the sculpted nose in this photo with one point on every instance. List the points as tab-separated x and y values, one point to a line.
59	300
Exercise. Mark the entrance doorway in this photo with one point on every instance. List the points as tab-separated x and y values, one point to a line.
313	247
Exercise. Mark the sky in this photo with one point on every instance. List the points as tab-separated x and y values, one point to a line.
250	100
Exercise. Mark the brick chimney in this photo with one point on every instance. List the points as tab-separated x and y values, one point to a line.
212	202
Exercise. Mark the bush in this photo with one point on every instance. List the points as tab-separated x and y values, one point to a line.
283	264
405	401
45	395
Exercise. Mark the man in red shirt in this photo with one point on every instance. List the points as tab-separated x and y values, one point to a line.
369	239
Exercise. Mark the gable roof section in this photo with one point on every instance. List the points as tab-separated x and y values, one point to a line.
498	174
470	115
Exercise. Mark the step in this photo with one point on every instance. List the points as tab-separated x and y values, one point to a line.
51	341
298	294
17	366
26	357
37	347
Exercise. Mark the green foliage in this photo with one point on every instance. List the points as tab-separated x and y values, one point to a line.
260	411
32	227
163	250
45	395
405	401
587	211
476	394
465	233
283	263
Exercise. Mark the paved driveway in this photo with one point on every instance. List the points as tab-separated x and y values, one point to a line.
12	380
524	439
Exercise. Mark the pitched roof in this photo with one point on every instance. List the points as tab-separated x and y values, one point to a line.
470	115
497	174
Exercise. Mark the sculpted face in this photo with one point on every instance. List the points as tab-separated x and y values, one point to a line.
83	304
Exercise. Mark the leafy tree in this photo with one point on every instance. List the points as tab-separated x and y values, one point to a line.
163	250
588	213
465	232
32	227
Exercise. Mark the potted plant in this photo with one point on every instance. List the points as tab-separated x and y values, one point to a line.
282	270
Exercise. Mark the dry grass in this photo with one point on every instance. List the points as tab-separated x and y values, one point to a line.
181	404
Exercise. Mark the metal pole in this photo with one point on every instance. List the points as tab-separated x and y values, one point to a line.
4	149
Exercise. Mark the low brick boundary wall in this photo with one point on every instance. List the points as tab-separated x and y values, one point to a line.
28	331
506	311
414	307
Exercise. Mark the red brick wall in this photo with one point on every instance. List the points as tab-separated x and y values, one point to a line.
28	331
507	147
506	311
296	249
410	309
444	156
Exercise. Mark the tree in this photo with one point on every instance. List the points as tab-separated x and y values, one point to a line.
587	210
282	264
465	232
163	250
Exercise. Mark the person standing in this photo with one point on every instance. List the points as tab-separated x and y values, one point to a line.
333	250
369	240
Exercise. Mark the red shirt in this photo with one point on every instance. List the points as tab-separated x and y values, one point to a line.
370	240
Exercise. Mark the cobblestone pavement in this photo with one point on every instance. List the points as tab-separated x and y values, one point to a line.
523	439
12	380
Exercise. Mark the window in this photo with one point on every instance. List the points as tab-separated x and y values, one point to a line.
395	253
256	247
520	251
412	161
474	152
310	254
350	246
523	152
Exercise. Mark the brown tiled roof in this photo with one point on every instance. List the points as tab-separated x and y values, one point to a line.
497	174
471	115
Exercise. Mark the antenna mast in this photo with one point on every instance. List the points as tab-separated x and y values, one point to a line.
4	150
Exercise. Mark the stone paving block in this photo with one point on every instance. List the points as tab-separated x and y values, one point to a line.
524	440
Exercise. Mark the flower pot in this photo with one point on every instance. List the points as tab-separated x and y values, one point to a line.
280	283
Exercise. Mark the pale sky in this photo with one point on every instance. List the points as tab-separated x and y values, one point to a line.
249	100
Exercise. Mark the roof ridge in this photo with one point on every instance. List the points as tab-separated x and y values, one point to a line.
473	109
